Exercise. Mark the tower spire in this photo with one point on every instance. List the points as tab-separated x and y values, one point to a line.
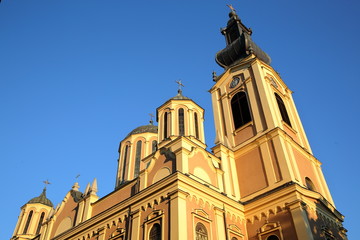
239	44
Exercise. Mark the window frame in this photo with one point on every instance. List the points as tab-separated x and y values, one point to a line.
125	161
155	217
200	216
166	127
158	234
240	110
138	157
28	221
234	231
181	121
268	229
154	146
282	109
272	235
200	224
310	184
41	220
196	126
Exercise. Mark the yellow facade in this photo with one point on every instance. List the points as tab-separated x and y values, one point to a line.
259	182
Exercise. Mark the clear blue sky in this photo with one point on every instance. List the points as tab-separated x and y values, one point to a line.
77	76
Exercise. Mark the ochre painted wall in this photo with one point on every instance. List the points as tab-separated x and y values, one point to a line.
113	198
283	217
251	174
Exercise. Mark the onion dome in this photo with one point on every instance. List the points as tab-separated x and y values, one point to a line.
42	199
150	128
239	44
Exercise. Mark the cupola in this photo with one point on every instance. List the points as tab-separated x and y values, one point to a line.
180	117
139	143
32	216
42	199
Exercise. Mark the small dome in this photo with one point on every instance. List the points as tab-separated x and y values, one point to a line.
150	128
42	199
179	96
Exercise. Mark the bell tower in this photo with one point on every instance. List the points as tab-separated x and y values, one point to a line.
264	151
256	119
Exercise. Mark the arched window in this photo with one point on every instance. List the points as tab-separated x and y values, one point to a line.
240	109
154	146
201	232
125	162
137	158
309	184
165	125
273	237
181	122
40	222
234	238
155	232
282	108
28	222
196	125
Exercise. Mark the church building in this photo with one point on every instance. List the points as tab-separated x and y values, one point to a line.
260	181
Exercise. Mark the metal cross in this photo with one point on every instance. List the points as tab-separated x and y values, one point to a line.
46	183
180	84
151	118
231	7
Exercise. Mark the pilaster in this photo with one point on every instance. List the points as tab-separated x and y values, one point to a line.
182	163
219	221
263	97
267	161
88	208
218	117
231	185
300	219
256	111
135	225
178	215
80	211
283	157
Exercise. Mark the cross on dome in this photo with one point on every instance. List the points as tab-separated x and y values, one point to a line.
46	182
180	85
